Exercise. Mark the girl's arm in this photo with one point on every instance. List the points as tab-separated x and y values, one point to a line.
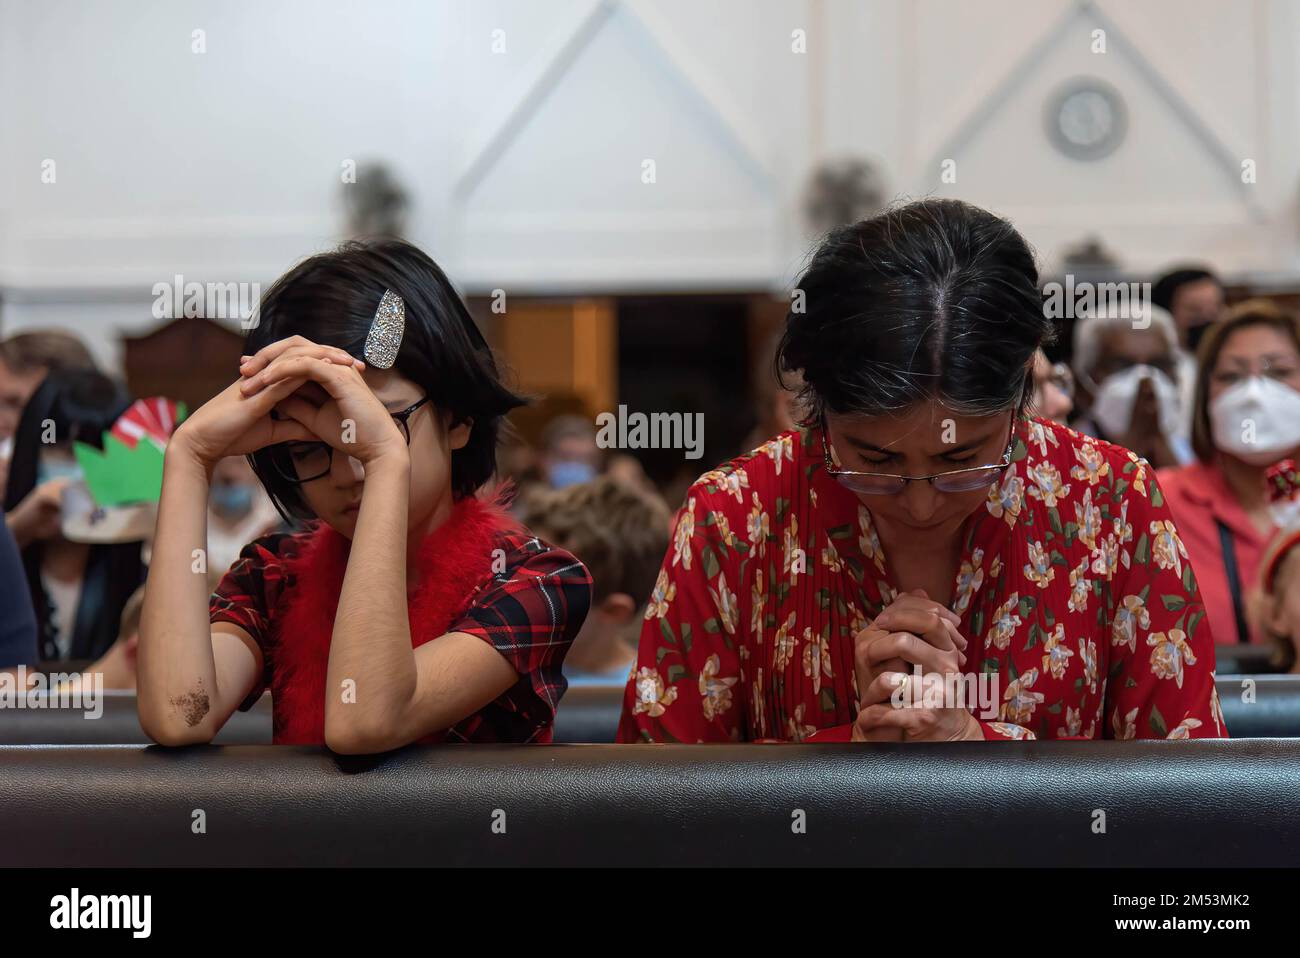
191	676
401	694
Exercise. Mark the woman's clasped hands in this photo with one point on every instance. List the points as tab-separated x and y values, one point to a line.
912	631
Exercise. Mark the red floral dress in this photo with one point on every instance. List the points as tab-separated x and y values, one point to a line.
1074	590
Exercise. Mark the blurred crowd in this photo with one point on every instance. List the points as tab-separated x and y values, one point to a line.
1209	395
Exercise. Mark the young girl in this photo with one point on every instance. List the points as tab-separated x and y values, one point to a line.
414	611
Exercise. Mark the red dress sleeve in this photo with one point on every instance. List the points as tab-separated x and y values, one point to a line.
246	595
686	684
531	614
1160	682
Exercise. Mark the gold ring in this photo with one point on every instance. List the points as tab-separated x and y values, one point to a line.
902	686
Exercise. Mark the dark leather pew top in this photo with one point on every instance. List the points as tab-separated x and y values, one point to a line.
1243	659
1260	706
118	724
1192	803
1255	706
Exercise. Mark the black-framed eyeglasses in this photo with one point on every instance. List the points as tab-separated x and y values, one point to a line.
888	484
300	462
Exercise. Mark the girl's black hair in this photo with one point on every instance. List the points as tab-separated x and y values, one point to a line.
936	299
82	404
331	299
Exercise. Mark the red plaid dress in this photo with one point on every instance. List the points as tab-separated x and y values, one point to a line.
528	604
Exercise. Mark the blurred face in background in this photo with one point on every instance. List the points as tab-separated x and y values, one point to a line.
571	459
1134	379
1195	306
15	389
1255	351
1122	348
57	461
1254	395
1053	389
234	488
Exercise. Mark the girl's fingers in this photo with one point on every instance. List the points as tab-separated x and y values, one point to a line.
289	430
259	406
321	423
251	365
299	409
267	398
326	354
322	371
271	432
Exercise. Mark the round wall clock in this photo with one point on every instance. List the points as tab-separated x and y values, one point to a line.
1086	118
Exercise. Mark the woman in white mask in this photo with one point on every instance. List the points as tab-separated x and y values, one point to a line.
1126	365
1246	417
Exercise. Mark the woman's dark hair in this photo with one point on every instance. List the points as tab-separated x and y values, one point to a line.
331	299
936	299
1252	312
82	405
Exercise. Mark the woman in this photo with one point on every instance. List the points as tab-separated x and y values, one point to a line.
413	610
78	590
852	579
1246	417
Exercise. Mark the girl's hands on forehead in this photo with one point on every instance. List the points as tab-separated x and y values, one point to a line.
334	403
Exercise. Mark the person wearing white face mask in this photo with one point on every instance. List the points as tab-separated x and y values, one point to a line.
1245	417
1127	372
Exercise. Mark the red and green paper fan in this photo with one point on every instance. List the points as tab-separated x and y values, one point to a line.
130	467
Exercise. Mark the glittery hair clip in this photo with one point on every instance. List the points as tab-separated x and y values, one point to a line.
385	336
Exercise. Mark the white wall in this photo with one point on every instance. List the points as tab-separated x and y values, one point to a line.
525	165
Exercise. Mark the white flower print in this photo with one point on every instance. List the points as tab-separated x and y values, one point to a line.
661	596
715	691
683	535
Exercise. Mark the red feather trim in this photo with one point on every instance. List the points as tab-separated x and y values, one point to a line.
455	561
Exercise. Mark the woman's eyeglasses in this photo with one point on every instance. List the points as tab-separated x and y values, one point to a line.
300	462
886	484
